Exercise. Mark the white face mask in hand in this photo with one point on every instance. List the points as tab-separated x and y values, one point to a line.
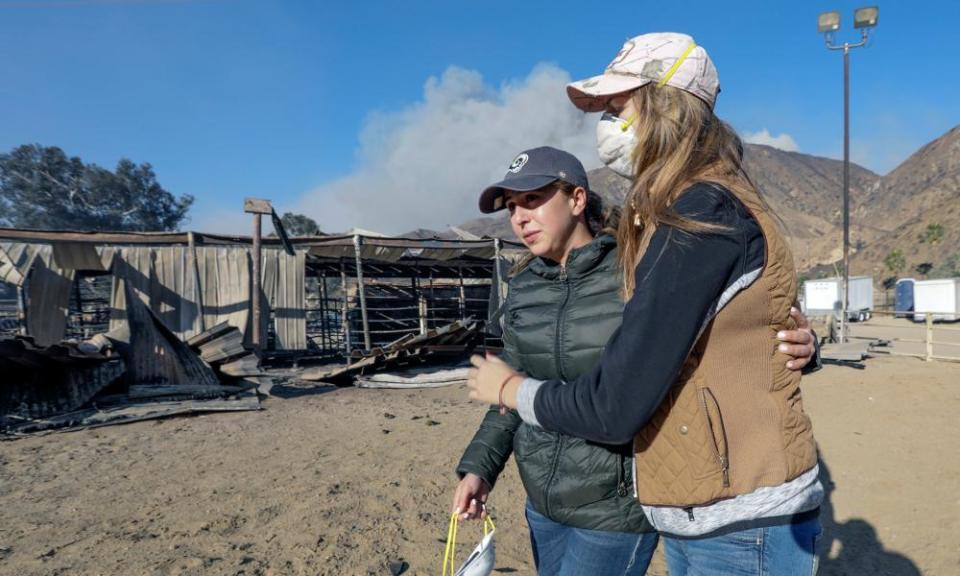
482	560
615	143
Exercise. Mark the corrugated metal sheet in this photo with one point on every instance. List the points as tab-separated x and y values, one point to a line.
430	250
367	251
21	256
269	265
77	256
284	289
48	279
225	285
41	381
8	269
288	303
173	291
132	266
452	253
163	278
156	356
48	297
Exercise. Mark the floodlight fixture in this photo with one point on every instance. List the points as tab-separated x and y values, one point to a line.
866	17
828	22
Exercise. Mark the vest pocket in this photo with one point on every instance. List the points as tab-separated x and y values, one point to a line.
718	436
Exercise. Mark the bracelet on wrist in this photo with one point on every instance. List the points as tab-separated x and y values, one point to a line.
503	407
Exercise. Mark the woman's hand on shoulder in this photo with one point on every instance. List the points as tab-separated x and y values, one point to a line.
798	343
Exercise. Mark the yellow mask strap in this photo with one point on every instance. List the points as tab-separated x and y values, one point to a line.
625	125
666	77
488	525
449	552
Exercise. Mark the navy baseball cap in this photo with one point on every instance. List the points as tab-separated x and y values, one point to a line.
531	170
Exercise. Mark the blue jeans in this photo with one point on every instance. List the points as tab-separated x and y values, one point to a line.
561	550
776	550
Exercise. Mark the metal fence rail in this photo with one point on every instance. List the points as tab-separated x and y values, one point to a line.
932	333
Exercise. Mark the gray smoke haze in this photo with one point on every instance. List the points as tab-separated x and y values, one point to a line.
424	166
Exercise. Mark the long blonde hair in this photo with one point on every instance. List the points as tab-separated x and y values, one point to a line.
680	141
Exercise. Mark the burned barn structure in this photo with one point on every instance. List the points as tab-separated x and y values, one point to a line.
98	328
332	297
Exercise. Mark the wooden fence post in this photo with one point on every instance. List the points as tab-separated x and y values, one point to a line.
929	338
258	208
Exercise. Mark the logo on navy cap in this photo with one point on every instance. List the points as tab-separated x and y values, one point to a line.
518	163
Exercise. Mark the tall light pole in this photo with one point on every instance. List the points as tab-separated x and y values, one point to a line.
827	23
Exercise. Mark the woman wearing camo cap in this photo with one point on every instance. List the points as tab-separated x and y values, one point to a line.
724	459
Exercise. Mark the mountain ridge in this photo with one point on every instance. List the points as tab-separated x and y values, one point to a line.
888	214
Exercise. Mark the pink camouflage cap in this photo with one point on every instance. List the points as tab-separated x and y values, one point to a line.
666	58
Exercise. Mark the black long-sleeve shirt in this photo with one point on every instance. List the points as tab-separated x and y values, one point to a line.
681	282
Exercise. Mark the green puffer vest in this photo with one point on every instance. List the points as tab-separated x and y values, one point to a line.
557	322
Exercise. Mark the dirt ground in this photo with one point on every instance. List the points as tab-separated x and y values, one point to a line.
348	481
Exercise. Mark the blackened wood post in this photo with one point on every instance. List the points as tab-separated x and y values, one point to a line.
362	292
323	311
79	298
430	310
255	297
258	208
463	295
344	316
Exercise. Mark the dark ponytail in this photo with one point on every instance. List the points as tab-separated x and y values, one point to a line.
601	219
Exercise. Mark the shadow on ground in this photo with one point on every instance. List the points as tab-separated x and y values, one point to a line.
860	551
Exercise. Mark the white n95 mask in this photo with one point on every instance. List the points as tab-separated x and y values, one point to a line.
615	143
483	558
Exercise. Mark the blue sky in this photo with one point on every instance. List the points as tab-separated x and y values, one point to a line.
376	114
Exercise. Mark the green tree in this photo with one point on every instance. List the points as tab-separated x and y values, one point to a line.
934	233
42	188
299	225
895	261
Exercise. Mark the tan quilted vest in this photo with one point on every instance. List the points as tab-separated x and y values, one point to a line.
734	420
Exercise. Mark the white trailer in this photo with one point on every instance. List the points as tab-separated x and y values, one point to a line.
939	297
822	297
